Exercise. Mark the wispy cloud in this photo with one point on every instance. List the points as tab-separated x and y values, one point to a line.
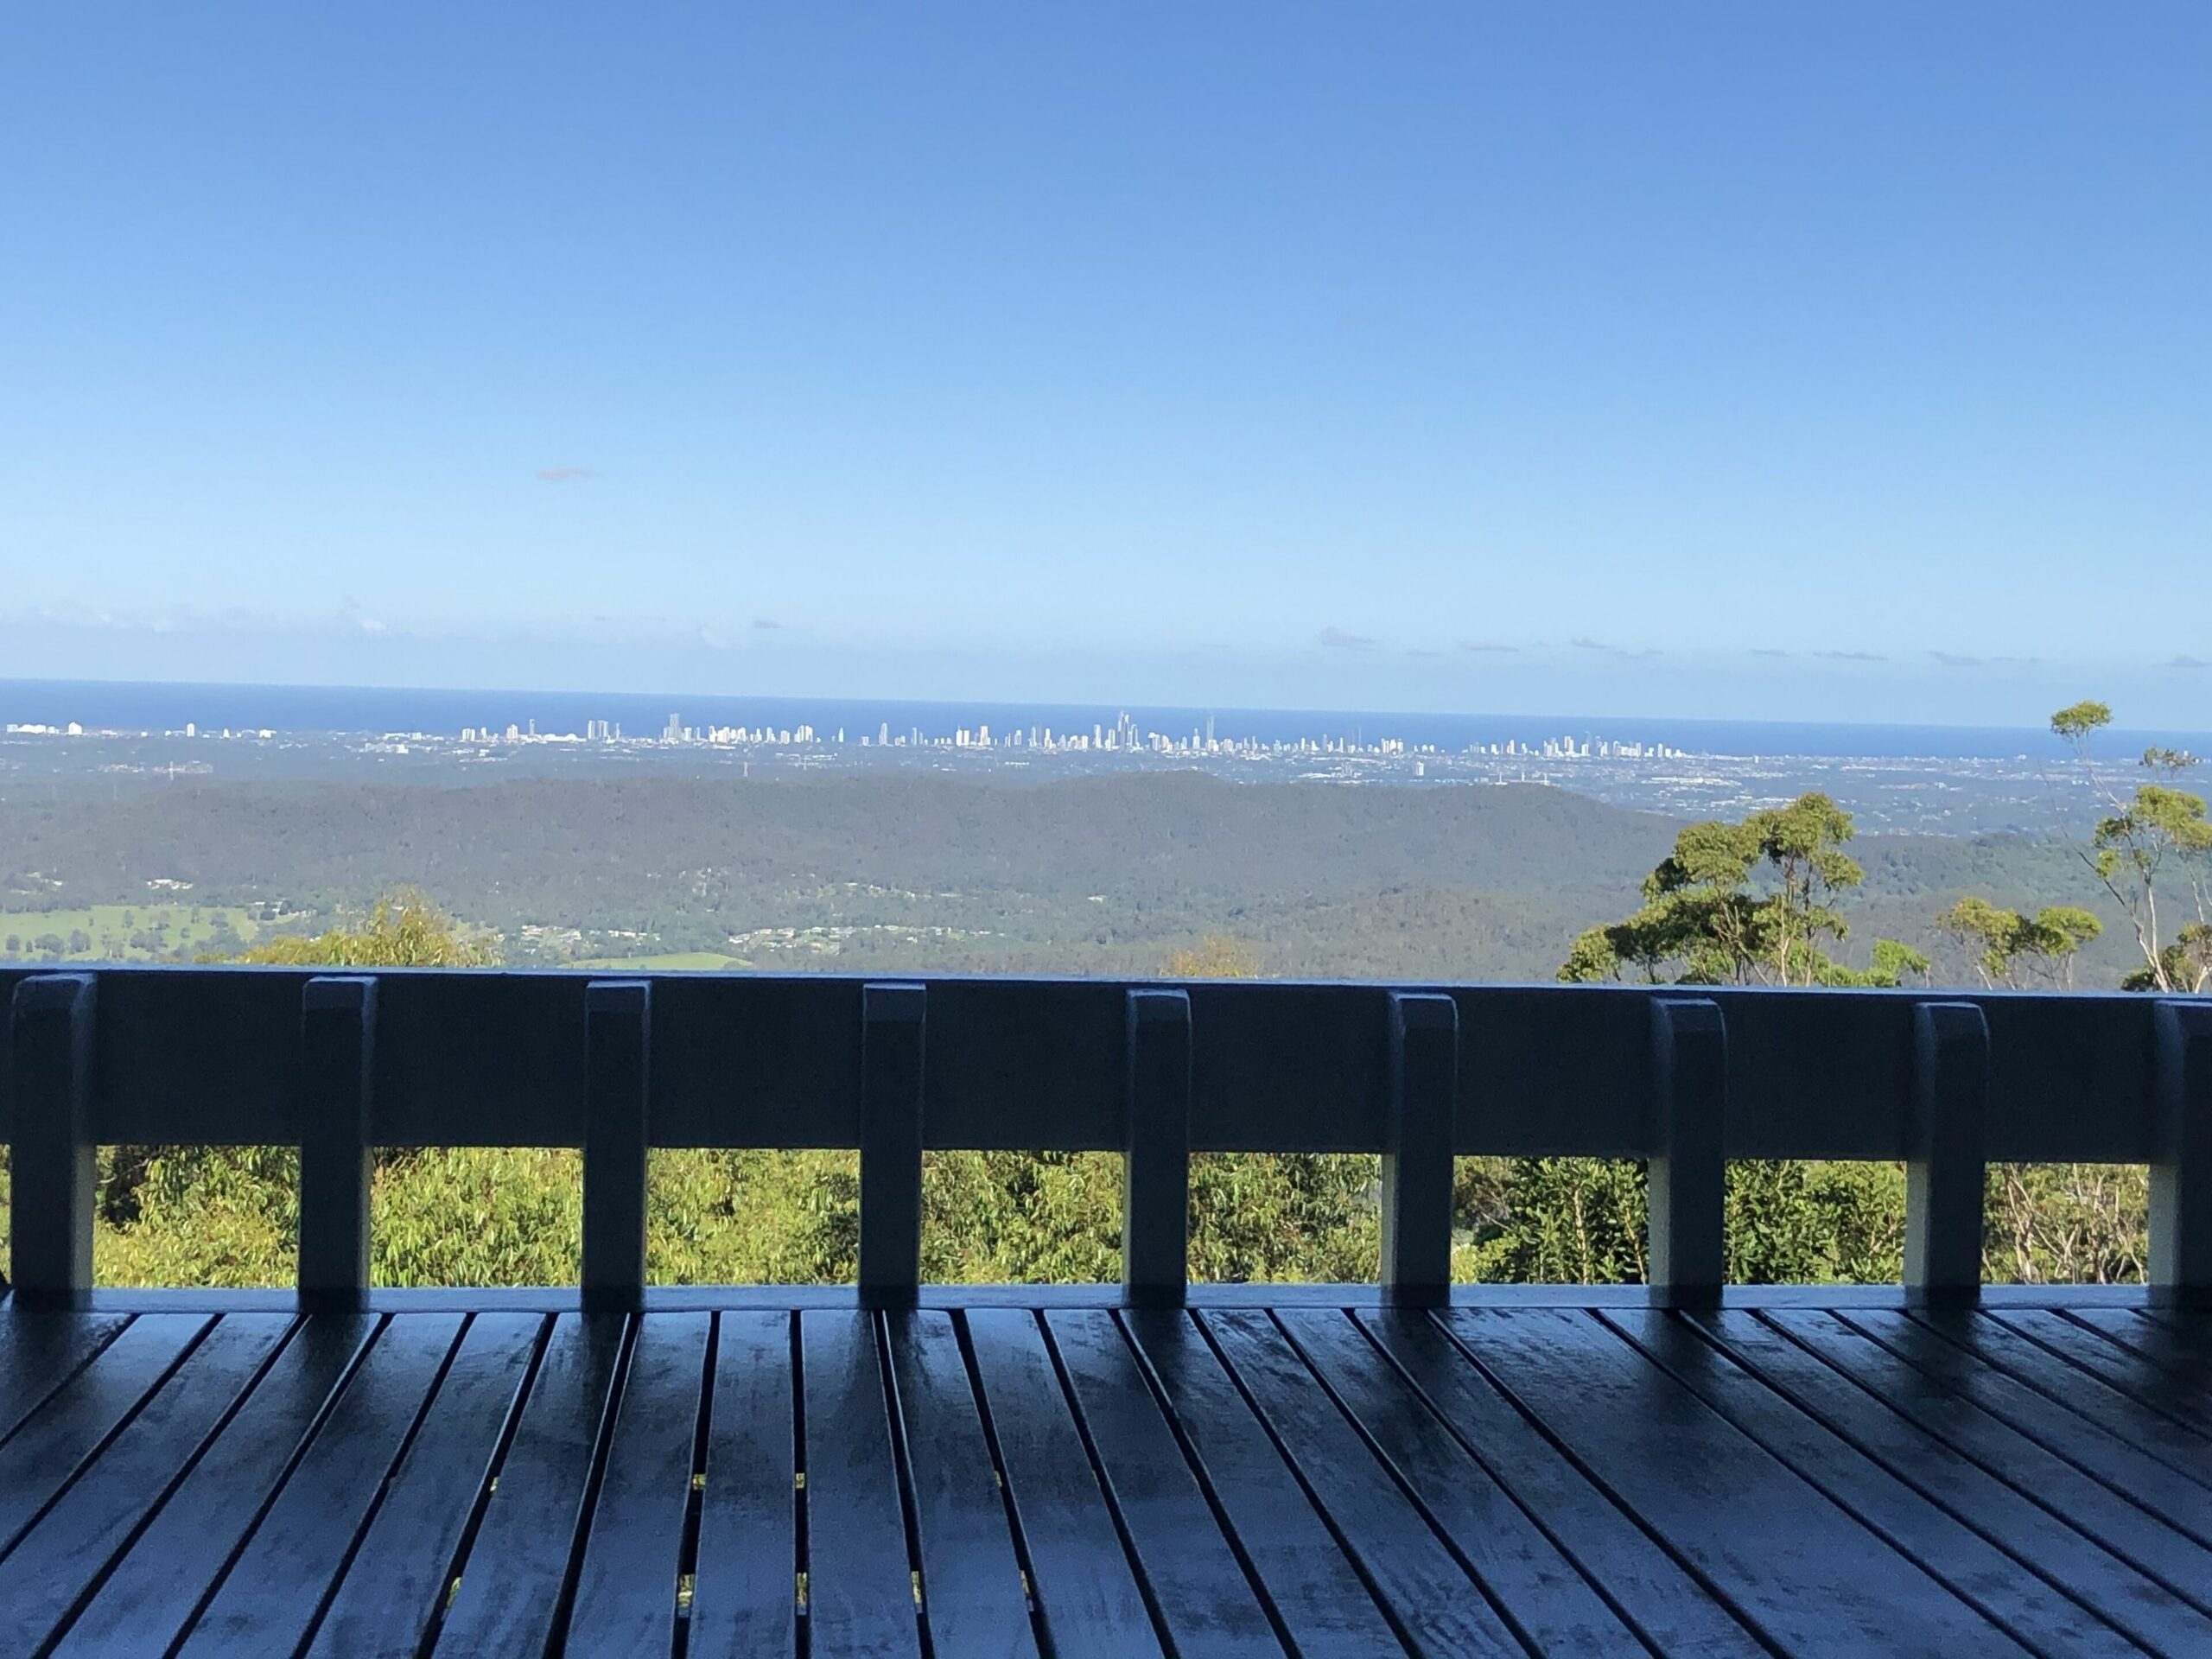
1852	656
712	641
232	620
1767	650
351	614
565	474
1485	644
2189	662
767	624
1339	639
1957	659
1584	642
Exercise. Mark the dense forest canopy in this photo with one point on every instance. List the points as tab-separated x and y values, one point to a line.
919	873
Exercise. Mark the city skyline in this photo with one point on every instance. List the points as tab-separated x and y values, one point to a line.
148	708
1127	735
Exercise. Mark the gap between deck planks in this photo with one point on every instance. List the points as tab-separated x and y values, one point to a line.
1072	1480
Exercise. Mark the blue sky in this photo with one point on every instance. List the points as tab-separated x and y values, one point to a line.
1697	359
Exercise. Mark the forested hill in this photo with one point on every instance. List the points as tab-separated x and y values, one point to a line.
900	872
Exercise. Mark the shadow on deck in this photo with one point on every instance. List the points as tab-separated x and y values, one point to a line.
1495	1476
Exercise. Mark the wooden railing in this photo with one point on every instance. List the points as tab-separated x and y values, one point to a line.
1684	1078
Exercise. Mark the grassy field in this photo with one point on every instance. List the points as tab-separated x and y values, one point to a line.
124	933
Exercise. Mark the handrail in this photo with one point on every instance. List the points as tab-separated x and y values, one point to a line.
1686	1077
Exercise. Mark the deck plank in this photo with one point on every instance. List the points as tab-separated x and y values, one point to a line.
44	1578
2170	1390
1808	1576
2046	1545
1309	1583
2079	1372
746	1602
2179	1375
2032	1612
972	1595
625	1598
2182	1502
1086	1591
152	1593
860	1584
39	1350
269	1601
1205	1599
48	1447
2189	1365
1525	1572
1652	1590
2181	1565
512	1577
391	1592
1440	1609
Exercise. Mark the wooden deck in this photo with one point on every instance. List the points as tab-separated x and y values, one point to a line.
1060	1479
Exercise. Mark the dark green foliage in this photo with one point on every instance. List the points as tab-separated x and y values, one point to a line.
2017	949
2076	721
402	929
1582	1221
2151	851
2067	1223
1753	903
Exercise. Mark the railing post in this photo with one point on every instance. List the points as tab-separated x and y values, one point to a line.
618	1040
51	1164
892	1032
338	1017
1944	1173
2181	1174
1156	1150
1689	1168
1424	1090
